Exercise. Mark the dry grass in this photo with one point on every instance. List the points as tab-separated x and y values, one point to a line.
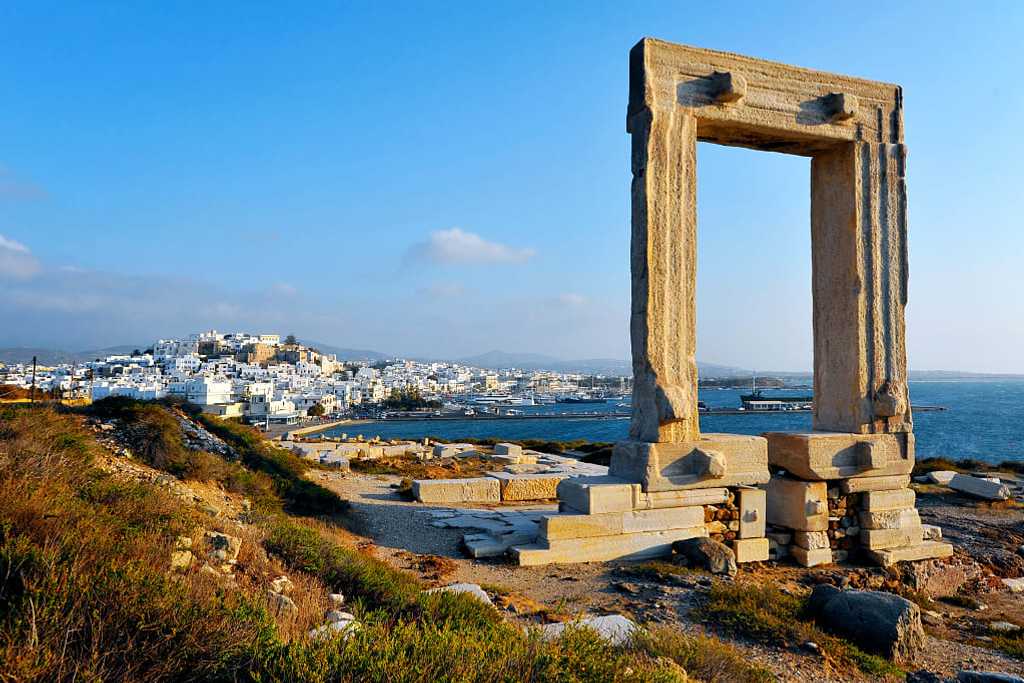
86	594
767	615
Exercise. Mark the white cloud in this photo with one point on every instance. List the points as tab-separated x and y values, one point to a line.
458	246
16	261
285	288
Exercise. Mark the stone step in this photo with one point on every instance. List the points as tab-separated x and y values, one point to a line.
810	558
924	551
883	539
564	526
635	546
476	490
594	495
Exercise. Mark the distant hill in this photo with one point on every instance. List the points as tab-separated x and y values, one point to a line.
591	366
24	354
346	354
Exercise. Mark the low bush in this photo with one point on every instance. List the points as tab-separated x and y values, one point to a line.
84	589
767	615
286	471
85	594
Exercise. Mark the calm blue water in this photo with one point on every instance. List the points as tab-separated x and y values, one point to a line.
984	420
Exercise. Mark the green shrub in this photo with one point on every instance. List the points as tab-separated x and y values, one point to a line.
286	471
767	615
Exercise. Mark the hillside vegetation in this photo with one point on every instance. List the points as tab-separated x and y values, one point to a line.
87	593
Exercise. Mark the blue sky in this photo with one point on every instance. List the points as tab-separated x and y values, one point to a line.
445	179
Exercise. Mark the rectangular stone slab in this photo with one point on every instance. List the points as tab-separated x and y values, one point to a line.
477	490
898	499
821	456
800	505
881	539
810	558
558	527
925	551
890	519
528	486
593	495
750	549
811	540
753	505
636	546
670	499
862	484
682	465
981	488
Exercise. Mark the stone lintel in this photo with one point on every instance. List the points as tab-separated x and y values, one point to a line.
710	461
820	456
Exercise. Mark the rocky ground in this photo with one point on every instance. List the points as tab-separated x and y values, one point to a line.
959	630
987	538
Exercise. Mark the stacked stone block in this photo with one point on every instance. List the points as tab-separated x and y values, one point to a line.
835	495
681	496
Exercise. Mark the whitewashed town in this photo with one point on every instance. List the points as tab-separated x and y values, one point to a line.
266	379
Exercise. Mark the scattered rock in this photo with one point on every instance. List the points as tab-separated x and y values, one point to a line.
931	617
812	646
183	543
181	560
980	488
987	677
924	676
1015	585
224	547
942	477
626	587
614	628
706	553
879	622
334	616
282	585
468	588
1003	627
344	628
337	599
281	606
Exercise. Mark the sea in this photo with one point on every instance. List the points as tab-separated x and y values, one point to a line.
982	420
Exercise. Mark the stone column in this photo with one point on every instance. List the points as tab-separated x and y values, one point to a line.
663	264
859	262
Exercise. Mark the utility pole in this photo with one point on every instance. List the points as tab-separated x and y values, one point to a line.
32	398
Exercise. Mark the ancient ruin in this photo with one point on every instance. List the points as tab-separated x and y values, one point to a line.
839	488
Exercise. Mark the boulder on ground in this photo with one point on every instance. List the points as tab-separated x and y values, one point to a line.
940	477
987	677
613	628
705	553
281	606
181	560
282	585
980	488
223	547
468	588
878	622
